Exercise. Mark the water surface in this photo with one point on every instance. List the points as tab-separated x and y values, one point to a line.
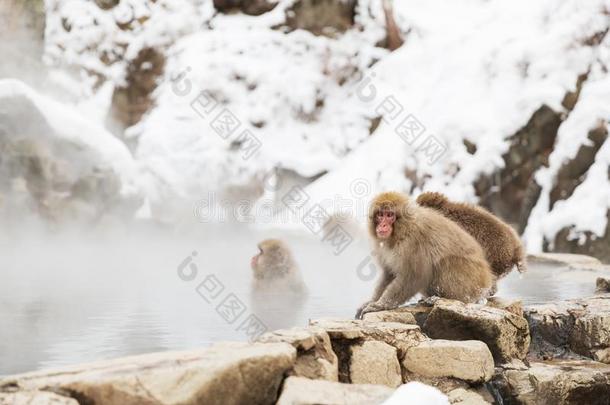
67	298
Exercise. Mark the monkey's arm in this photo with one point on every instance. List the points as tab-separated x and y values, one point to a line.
400	289
385	279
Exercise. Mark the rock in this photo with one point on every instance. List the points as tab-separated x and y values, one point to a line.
461	396
602	285
512	306
250	7
393	37
229	373
133	99
303	391
468	360
340	328
106	4
57	165
398	335
550	328
315	356
573	171
581	326
557	382
506	334
591	333
346	333
415	312
511	191
565	259
35	398
420	312
571	97
322	17
399	315
588	243
374	362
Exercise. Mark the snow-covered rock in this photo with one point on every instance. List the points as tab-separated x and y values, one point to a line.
58	164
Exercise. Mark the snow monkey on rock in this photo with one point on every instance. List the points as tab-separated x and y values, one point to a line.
421	251
501	244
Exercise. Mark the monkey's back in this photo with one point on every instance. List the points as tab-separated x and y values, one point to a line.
502	246
445	235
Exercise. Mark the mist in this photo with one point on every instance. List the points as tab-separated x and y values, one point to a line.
73	295
70	295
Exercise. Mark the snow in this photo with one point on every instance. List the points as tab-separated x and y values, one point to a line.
586	209
466	80
416	393
470	69
101	147
95	40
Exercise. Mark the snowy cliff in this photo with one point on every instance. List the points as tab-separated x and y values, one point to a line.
501	103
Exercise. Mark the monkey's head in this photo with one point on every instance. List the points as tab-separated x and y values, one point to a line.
432	200
388	214
273	259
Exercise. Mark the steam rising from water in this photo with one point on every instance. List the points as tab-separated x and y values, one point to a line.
21	29
70	296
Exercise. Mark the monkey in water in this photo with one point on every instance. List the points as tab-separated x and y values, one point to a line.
274	268
278	293
421	251
501	244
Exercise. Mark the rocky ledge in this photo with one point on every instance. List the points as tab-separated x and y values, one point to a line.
501	352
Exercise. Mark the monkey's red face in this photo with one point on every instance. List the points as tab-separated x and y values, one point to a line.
254	260
384	223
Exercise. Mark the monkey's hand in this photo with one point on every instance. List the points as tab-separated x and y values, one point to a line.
429	301
359	310
374	306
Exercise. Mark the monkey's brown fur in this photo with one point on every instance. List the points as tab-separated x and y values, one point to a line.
275	268
501	244
425	253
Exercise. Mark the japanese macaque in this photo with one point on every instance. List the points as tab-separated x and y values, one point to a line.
500	242
278	293
274	268
421	251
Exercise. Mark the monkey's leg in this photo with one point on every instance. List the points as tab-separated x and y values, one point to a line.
382	284
462	278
